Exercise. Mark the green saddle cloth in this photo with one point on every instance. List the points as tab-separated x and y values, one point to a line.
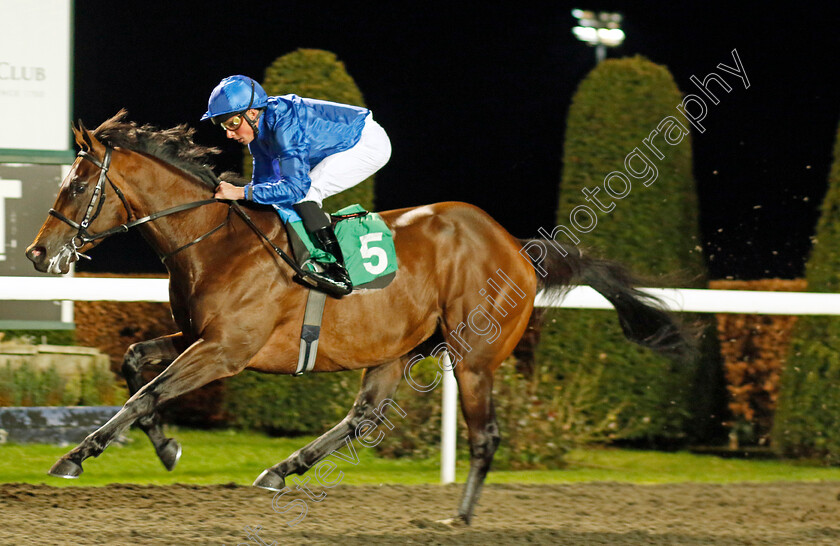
365	241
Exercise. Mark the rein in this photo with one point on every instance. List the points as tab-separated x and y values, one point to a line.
301	273
83	237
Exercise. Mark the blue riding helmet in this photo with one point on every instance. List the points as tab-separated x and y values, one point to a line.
235	94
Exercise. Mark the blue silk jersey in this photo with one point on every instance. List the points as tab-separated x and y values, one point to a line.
295	135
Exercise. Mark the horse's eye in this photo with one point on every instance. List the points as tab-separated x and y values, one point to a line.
78	187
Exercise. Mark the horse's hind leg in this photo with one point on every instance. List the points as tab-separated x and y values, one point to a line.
480	358
378	386
476	393
162	350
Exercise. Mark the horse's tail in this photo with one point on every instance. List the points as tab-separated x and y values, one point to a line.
643	317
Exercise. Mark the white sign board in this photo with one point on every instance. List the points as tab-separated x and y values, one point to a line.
35	72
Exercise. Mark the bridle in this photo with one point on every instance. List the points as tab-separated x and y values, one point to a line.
97	201
83	237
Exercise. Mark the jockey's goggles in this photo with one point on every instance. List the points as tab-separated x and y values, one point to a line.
232	123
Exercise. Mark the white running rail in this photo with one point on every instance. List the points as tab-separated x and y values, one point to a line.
580	297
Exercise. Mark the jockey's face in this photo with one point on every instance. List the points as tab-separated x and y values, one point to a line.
243	134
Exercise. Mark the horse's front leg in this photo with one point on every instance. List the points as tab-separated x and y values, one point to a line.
378	384
204	361
138	357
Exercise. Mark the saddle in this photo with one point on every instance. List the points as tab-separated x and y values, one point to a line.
366	243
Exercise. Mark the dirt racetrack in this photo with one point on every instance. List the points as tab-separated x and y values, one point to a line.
593	513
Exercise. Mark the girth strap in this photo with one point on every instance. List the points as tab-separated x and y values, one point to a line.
311	331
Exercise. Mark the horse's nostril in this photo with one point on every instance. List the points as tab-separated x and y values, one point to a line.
36	252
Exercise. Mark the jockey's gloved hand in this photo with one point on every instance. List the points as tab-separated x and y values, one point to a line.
234	178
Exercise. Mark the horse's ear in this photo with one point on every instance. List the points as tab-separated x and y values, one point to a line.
91	143
78	135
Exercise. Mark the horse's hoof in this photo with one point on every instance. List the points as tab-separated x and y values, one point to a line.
457	521
270	480
169	453
65	468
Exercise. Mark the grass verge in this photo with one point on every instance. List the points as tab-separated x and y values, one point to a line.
212	457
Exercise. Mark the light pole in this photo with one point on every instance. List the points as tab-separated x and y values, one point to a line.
601	30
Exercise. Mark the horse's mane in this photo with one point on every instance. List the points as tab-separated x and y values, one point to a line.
174	146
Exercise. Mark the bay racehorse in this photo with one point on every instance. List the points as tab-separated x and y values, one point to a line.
464	285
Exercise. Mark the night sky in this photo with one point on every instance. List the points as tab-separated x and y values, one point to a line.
474	98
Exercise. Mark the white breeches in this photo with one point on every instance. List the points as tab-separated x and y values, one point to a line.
338	172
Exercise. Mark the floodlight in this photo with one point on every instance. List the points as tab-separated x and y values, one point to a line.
602	30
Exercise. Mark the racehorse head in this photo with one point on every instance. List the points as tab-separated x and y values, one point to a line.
81	209
125	175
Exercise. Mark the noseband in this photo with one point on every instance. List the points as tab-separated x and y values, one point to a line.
97	200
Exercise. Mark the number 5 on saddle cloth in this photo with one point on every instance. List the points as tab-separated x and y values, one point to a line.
365	241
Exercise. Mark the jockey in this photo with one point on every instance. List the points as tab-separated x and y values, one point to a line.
304	151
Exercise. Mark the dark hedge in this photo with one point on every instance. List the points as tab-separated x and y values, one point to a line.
285	405
807	420
651	229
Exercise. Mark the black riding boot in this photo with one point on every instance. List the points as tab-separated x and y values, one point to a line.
336	271
334	279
